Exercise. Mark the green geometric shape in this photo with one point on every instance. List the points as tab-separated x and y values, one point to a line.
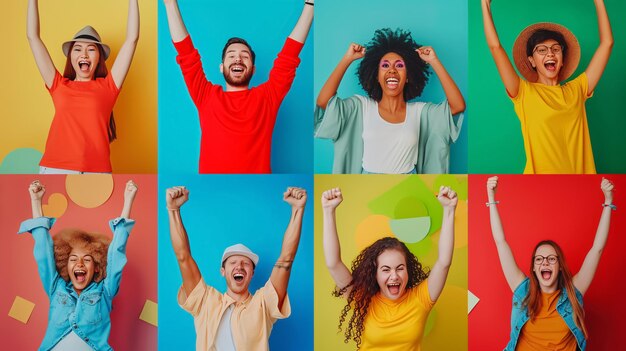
21	161
410	230
414	186
457	183
410	207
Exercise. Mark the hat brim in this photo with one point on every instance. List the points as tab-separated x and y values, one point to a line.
570	62
251	255
68	44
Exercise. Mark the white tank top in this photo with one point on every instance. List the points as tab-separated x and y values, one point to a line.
72	342
224	338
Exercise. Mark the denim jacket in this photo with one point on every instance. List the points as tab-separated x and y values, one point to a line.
519	315
88	314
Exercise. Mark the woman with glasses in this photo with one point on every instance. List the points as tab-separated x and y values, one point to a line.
552	116
383	132
547	309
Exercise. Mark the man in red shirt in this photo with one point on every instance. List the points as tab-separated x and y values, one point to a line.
237	122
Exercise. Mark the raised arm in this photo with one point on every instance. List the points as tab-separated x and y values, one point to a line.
355	52
178	31
439	272
514	276
36	191
296	197
583	278
603	52
332	250
129	197
453	94
120	67
176	197
301	30
40	52
505	68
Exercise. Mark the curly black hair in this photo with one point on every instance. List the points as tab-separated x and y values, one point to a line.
364	285
400	42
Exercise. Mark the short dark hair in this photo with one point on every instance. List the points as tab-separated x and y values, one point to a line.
400	42
236	40
541	35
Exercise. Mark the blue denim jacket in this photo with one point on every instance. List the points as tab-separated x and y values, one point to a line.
88	314
519	315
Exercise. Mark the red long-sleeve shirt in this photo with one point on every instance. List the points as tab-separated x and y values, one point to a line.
237	126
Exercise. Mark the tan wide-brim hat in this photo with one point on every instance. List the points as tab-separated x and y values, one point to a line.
89	35
570	62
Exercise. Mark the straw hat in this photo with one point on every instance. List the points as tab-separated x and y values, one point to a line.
570	62
87	34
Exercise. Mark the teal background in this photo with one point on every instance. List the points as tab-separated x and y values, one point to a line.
440	24
266	26
224	210
496	144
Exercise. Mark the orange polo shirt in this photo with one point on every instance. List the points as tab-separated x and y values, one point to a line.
548	331
251	320
78	139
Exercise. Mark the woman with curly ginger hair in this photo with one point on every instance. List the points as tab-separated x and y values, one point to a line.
383	132
387	289
81	275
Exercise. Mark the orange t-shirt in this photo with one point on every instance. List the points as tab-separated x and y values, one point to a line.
548	331
78	139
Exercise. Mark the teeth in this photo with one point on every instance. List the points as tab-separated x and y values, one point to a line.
392	80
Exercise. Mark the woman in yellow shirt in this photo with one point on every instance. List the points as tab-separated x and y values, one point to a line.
552	116
389	292
547	309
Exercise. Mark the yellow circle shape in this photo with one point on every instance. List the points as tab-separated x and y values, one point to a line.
56	206
89	190
372	228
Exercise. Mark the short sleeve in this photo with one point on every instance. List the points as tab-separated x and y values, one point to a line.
331	121
55	82
438	131
581	85
524	85
421	294
270	299
201	297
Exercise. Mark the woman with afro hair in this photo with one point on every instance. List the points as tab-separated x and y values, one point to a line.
383	132
387	289
81	275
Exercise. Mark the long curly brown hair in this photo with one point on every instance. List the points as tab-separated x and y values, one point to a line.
97	244
364	285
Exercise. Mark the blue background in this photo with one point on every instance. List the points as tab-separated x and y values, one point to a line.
266	26
224	210
440	24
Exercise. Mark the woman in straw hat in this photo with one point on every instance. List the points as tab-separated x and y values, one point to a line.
547	311
83	97
388	290
383	132
552	116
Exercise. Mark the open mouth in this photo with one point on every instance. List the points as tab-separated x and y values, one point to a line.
550	65
237	69
392	83
546	274
394	288
80	275
84	65
238	277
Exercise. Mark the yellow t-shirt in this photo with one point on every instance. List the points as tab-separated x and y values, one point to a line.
548	331
397	325
554	127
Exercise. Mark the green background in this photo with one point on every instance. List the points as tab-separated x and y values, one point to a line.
495	138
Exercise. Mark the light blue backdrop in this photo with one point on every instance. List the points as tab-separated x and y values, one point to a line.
224	210
440	24
265	25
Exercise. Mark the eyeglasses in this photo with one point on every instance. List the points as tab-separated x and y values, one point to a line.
551	259
543	49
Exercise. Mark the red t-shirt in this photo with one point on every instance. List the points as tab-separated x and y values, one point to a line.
78	139
237	126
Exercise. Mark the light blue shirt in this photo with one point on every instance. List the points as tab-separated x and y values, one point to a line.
86	315
519	315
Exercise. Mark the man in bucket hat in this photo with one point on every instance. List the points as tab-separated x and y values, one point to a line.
553	117
237	122
236	319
